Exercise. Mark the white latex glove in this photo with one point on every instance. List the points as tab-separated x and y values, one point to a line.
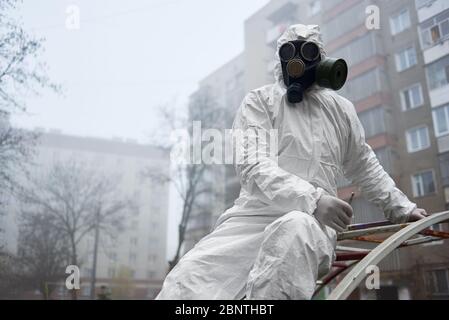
333	212
417	214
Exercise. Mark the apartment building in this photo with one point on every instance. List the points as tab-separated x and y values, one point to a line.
433	18
136	258
434	34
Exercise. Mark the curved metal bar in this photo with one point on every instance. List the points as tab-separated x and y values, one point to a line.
357	274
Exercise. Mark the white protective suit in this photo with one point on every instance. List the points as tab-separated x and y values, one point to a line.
269	245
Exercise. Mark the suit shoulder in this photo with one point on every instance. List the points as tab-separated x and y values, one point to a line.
257	104
260	98
338	102
262	93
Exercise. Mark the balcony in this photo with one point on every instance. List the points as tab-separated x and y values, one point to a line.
436	52
429	8
443	144
440	96
444	165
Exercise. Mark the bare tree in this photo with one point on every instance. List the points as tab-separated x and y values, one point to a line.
188	179
21	74
43	252
77	201
15	154
11	285
21	71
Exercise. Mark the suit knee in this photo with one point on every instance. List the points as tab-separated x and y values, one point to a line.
296	220
293	224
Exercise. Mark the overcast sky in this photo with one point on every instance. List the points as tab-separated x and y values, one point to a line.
127	58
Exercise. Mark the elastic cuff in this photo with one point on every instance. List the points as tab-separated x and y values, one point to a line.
402	216
316	197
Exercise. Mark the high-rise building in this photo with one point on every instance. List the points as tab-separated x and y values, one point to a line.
433	19
136	257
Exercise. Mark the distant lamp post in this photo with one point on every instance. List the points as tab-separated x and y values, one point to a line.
95	257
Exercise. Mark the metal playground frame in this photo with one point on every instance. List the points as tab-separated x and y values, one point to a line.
359	259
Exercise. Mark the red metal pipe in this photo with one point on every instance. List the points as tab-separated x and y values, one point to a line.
433	233
350	256
331	276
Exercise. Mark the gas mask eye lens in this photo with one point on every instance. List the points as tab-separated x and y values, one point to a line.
295	68
287	51
310	51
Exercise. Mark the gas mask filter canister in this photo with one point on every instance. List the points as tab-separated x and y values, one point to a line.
302	66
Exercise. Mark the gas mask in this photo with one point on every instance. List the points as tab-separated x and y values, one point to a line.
302	66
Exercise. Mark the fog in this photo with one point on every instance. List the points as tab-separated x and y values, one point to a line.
92	91
127	58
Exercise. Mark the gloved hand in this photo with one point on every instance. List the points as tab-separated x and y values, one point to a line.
333	212
417	214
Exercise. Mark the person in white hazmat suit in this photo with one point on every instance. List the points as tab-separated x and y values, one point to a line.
280	235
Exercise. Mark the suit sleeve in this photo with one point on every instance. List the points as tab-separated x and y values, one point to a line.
362	167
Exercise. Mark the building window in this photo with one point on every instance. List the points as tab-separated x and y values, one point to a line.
444	28
439	282
435	30
364	86
441	120
400	22
85	291
151	274
423	184
345	22
406	59
153	240
152	257
417	139
133	241
438	73
373	121
155	210
358	50
412	97
113	256
88	272
314	7
132	257
444	168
